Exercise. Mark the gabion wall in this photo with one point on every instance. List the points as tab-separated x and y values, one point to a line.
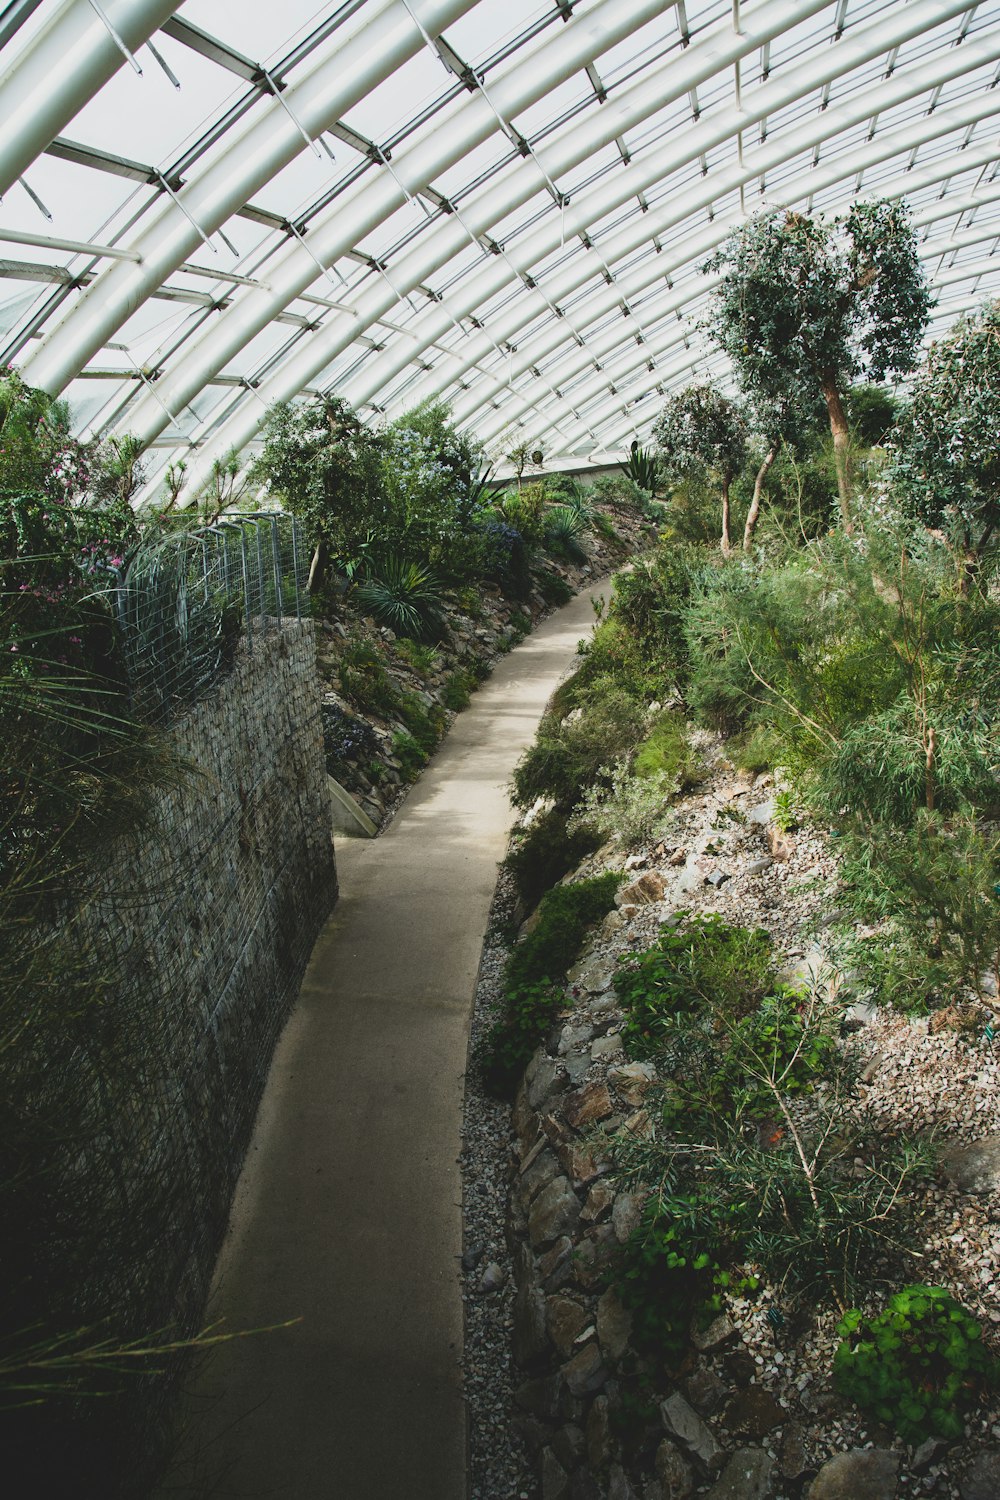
208	951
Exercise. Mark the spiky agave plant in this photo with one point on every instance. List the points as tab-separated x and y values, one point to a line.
641	468
404	595
565	527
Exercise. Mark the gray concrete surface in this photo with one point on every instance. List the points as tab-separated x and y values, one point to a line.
347	1216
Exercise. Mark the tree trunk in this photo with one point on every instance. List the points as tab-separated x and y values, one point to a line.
317	568
758	490
841	448
726	543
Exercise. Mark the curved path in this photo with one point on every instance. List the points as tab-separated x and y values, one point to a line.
348	1212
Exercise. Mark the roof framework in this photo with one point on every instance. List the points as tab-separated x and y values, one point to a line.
506	204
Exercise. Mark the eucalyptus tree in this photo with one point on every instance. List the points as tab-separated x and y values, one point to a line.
947	461
702	433
805	307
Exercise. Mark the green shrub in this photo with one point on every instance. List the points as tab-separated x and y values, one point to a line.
565	528
918	1366
534	972
425	722
364	680
403	595
422	658
698	964
411	756
458	688
546	852
666	752
632	810
553	588
569	753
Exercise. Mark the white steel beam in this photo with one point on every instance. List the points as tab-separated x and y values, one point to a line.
441	144
364	53
64	65
857	47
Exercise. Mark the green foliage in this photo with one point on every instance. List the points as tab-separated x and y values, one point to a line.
545	852
424	659
534	972
632	810
458	689
872	412
666	752
947	463
412	756
568	753
364	680
425	722
651	601
641	468
697	964
565	528
403	595
553	588
918	1366
701	432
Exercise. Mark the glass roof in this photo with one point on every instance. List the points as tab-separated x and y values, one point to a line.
506	204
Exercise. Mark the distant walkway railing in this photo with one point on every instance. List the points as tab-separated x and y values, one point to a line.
185	602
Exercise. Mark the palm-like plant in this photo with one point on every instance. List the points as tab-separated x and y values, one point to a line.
403	595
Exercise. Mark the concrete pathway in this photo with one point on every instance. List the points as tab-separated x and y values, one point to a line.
348	1212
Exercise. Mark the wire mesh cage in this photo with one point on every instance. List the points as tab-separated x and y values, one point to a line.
186	603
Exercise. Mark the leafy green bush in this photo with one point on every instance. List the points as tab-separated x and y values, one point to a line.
403	595
458	688
666	752
534	972
411	756
545	852
553	588
568	754
364	680
632	810
918	1366
697	964
425	722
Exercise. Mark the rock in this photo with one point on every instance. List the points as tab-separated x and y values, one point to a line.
600	1201
678	857
781	845
581	1164
618	1484
794	1459
540	1397
673	1475
599	1433
870	1472
705	1391
555	1268
982	1482
555	1212
975	1168
492	1278
564	1319
632	1080
611	923
594	975
930	1450
717	878
754	1413
606	1046
543	1077
585	1372
761	815
543	1170
529	1339
758	866
594	1255
574	1036
747	1476
718	1332
740	1367
684	1424
583	1486
577	1067
472	1256
645	891
568	1445
614	1326
626	1215
555	1480
588	1105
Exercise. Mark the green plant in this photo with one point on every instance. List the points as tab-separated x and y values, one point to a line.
364	680
424	659
701	431
458	688
403	595
412	757
641	468
804	307
918	1366
569	753
632	810
545	852
697	964
565	527
553	587
534	972
666	752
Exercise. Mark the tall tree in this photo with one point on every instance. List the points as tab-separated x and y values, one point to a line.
701	432
805	307
947	461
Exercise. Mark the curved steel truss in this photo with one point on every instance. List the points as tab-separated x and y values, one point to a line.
506	204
